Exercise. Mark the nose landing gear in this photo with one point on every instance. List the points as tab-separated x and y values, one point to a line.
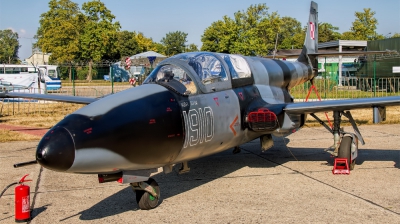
147	194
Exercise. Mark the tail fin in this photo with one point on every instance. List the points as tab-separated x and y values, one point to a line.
311	41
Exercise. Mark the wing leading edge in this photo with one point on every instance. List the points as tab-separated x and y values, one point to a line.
59	98
341	105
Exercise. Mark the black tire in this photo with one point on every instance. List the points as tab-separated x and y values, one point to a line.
345	151
145	200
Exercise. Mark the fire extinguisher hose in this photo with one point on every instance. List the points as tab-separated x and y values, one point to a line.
7	188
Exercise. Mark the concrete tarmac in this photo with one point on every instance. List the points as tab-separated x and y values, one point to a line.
290	183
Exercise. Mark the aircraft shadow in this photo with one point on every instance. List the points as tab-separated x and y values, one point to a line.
209	168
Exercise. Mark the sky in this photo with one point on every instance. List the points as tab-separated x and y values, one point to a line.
156	18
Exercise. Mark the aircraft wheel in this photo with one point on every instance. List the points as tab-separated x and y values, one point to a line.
145	200
345	151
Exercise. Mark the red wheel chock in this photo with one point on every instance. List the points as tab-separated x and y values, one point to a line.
340	166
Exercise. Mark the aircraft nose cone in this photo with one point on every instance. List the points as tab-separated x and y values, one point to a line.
56	150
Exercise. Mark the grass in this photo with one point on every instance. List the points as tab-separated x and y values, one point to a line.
43	115
8	136
33	114
42	121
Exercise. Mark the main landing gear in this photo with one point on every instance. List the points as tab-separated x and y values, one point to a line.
345	151
345	143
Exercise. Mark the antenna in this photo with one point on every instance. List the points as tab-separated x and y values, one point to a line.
276	43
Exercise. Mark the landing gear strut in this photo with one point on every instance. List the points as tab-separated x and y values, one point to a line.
345	143
147	194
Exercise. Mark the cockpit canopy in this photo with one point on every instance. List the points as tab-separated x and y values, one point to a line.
189	73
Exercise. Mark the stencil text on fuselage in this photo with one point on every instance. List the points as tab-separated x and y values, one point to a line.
199	125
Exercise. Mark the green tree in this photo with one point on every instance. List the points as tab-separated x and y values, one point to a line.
145	43
256	29
290	34
327	32
174	42
9	46
220	36
127	44
158	47
395	35
99	38
364	26
59	31
191	48
256	32
348	35
250	32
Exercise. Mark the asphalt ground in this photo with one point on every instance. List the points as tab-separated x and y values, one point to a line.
286	184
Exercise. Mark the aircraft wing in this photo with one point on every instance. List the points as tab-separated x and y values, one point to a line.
50	97
341	105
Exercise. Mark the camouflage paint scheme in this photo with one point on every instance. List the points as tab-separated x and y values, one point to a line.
192	105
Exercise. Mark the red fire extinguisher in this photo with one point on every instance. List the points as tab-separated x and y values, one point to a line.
22	201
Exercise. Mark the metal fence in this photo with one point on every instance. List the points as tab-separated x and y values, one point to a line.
95	88
327	89
90	90
351	88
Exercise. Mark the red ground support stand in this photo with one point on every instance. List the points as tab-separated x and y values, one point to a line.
316	92
340	166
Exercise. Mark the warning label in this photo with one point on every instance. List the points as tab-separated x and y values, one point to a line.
25	204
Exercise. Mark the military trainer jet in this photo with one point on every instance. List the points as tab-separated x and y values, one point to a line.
192	105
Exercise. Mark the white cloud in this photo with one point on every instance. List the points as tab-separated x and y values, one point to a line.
22	31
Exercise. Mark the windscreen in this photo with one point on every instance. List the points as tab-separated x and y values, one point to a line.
207	67
173	77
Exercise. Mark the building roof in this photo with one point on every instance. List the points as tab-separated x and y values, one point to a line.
346	44
148	54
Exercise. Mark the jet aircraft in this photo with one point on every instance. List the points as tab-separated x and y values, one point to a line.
192	105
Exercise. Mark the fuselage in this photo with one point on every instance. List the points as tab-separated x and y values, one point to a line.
192	105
